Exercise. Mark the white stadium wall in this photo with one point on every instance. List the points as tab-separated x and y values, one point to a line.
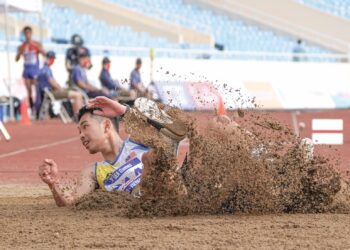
276	85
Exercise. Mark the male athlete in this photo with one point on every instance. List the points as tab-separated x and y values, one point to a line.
30	51
125	163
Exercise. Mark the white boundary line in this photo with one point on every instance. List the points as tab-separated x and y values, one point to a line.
48	145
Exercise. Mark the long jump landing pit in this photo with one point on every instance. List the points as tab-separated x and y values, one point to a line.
30	220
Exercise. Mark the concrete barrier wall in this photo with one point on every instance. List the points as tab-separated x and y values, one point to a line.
276	85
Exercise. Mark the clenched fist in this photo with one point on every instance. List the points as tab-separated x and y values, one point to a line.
48	171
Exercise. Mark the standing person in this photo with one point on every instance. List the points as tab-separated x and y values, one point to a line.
298	51
135	79
80	80
112	86
46	80
30	51
72	55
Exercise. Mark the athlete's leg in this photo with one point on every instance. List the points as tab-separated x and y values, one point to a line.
28	85
76	99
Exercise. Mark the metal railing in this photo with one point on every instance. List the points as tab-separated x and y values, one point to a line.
104	50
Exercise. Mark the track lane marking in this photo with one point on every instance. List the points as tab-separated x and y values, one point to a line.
48	145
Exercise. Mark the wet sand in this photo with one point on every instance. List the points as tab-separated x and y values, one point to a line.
30	220
34	222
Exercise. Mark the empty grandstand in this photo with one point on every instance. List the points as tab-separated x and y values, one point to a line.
339	8
187	29
236	35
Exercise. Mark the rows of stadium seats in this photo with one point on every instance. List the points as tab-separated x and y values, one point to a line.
233	34
63	22
339	8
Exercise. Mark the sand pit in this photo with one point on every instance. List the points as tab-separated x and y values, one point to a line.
36	223
266	196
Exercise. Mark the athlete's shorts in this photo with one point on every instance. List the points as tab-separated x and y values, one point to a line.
31	72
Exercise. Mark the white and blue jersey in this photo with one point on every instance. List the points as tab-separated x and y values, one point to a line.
124	173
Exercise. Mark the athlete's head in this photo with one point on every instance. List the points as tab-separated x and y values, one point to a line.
27	32
50	57
106	63
95	131
138	63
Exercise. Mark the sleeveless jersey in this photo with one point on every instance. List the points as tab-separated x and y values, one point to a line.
30	54
124	174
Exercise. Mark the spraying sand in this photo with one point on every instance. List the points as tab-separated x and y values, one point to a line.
258	168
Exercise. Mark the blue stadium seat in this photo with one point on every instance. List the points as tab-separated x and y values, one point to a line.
339	8
67	22
233	34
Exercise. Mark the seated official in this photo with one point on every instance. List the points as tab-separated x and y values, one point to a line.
47	81
112	86
80	80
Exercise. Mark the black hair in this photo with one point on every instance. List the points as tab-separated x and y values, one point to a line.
138	61
83	54
85	110
105	60
51	54
27	28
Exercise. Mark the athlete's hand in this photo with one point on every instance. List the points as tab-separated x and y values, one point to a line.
48	171
109	108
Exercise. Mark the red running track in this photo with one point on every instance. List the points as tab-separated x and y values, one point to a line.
20	158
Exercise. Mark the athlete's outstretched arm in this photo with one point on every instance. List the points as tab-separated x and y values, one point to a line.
109	108
48	172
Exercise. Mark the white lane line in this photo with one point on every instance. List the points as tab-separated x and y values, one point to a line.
48	145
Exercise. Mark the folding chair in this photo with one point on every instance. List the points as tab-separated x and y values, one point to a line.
57	107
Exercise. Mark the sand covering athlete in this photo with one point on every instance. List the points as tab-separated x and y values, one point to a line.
126	163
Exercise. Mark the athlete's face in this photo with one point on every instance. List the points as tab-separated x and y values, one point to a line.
28	34
93	132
